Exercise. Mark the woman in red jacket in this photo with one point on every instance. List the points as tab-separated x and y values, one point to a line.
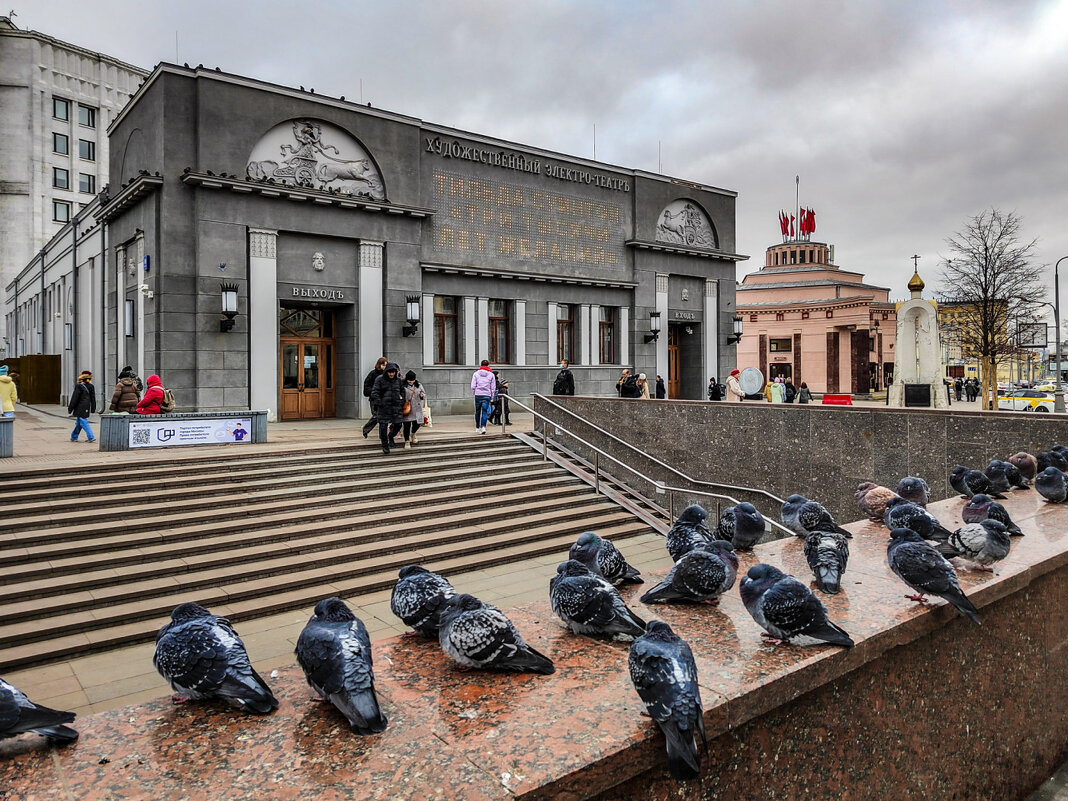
149	404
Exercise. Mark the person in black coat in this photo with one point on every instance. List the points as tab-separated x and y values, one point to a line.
82	404
564	384
387	399
368	385
661	389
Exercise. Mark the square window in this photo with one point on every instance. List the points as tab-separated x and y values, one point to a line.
86	150
60	211
60	144
87	116
60	108
780	345
87	183
60	178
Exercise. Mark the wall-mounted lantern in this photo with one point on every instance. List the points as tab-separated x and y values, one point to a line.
654	327
737	335
229	307
411	303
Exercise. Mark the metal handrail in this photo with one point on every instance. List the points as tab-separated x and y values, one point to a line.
659	485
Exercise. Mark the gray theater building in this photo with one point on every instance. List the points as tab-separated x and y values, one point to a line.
340	232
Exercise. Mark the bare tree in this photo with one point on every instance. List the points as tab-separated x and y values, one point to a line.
990	277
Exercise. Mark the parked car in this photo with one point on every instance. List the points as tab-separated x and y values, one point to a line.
1049	386
1026	400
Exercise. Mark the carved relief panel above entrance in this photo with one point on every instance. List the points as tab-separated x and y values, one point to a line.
683	222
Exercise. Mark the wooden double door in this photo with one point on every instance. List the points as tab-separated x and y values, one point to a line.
308	351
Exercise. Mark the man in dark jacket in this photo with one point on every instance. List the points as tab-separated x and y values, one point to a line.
368	385
387	399
82	404
661	389
628	386
564	384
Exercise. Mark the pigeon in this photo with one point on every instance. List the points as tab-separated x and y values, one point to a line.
922	567
201	656
1012	474
664	673
741	525
589	604
969	482
688	530
827	553
914	489
418	597
904	514
997	476
334	650
702	575
477	634
1052	485
787	609
1051	459
984	543
981	508
872	498
801	516
604	559
1025	463
1062	452
18	714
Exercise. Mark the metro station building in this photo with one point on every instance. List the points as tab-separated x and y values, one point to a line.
335	233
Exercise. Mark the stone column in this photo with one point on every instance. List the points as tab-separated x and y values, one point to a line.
520	357
552	333
661	366
712	330
263	321
623	335
428	329
483	331
584	333
120	310
469	331
593	332
371	290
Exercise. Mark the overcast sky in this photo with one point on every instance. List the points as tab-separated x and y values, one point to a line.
901	118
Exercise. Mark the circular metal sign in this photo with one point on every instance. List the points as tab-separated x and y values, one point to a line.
751	380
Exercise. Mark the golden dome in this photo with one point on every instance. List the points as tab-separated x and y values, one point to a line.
916	283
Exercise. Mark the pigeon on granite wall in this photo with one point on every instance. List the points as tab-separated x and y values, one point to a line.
827	553
787	609
201	656
1051	458
872	499
18	714
801	515
418	597
479	635
742	526
922	567
604	559
687	531
1012	474
1025	463
334	651
971	482
997	474
1052	485
983	543
915	489
981	508
664	673
589	604
700	576
904	514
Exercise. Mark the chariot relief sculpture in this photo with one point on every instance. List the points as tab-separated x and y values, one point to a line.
683	223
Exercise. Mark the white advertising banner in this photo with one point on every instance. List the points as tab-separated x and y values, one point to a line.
163	433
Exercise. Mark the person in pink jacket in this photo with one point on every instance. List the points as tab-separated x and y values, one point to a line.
483	387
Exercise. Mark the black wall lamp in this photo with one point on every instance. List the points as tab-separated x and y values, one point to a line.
737	335
229	307
411	303
654	327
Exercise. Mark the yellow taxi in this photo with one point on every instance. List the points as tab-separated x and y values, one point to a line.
1026	400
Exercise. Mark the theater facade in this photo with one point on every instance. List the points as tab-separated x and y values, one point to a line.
267	245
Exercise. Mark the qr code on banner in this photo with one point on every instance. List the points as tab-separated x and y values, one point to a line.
142	437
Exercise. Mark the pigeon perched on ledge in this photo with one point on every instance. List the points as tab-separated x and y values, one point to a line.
787	609
700	576
971	482
827	553
742	526
1025	463
688	530
922	567
903	514
999	469
981	508
18	714
589	604
801	515
479	635
417	599
334	651
983	543
872	499
1052	458
1052	485
604	559
914	489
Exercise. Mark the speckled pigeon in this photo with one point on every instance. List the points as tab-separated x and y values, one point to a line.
981	508
589	604
741	525
1025	463
201	656
1052	485
827	553
700	576
688	530
664	673
479	635
805	515
904	514
604	559
417	599
872	498
334	651
984	543
18	714
787	609
922	567
915	489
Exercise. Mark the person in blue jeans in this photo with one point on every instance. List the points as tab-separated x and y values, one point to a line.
82	404
483	387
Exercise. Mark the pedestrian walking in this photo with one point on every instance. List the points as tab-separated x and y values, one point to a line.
151	402
500	401
126	396
958	387
483	387
643	387
803	394
564	383
387	397
82	404
790	391
734	387
661	389
368	385
715	390
414	395
9	393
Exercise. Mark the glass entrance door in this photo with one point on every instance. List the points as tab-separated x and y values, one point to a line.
307	348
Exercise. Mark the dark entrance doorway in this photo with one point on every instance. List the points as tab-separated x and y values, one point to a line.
674	379
308	348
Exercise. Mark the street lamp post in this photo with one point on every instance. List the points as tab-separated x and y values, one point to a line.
1058	396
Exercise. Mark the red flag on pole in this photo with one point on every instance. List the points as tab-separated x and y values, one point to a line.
811	221
784	225
792	218
802	222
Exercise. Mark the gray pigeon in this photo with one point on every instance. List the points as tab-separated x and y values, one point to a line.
479	635
664	673
903	514
981	508
827	553
746	526
997	475
417	599
915	489
589	604
984	543
18	714
604	559
687	531
700	576
970	482
922	567
801	515
1025	463
787	609
334	651
1013	476
201	656
1052	485
1052	458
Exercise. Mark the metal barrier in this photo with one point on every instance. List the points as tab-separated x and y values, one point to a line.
7	437
178	429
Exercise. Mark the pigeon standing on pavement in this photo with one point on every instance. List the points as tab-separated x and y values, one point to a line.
417	599
1052	485
604	559
1025	463
981	508
915	489
664	673
18	714
589	604
334	650
687	531
787	609
745	528
997	474
904	514
922	567
479	635
984	543
201	656
827	553
872	498
700	576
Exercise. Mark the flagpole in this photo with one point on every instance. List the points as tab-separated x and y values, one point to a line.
797	203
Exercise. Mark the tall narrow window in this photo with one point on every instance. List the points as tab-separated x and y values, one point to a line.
607	346
565	332
499	337
445	330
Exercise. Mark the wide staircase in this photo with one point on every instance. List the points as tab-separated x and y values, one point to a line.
94	558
